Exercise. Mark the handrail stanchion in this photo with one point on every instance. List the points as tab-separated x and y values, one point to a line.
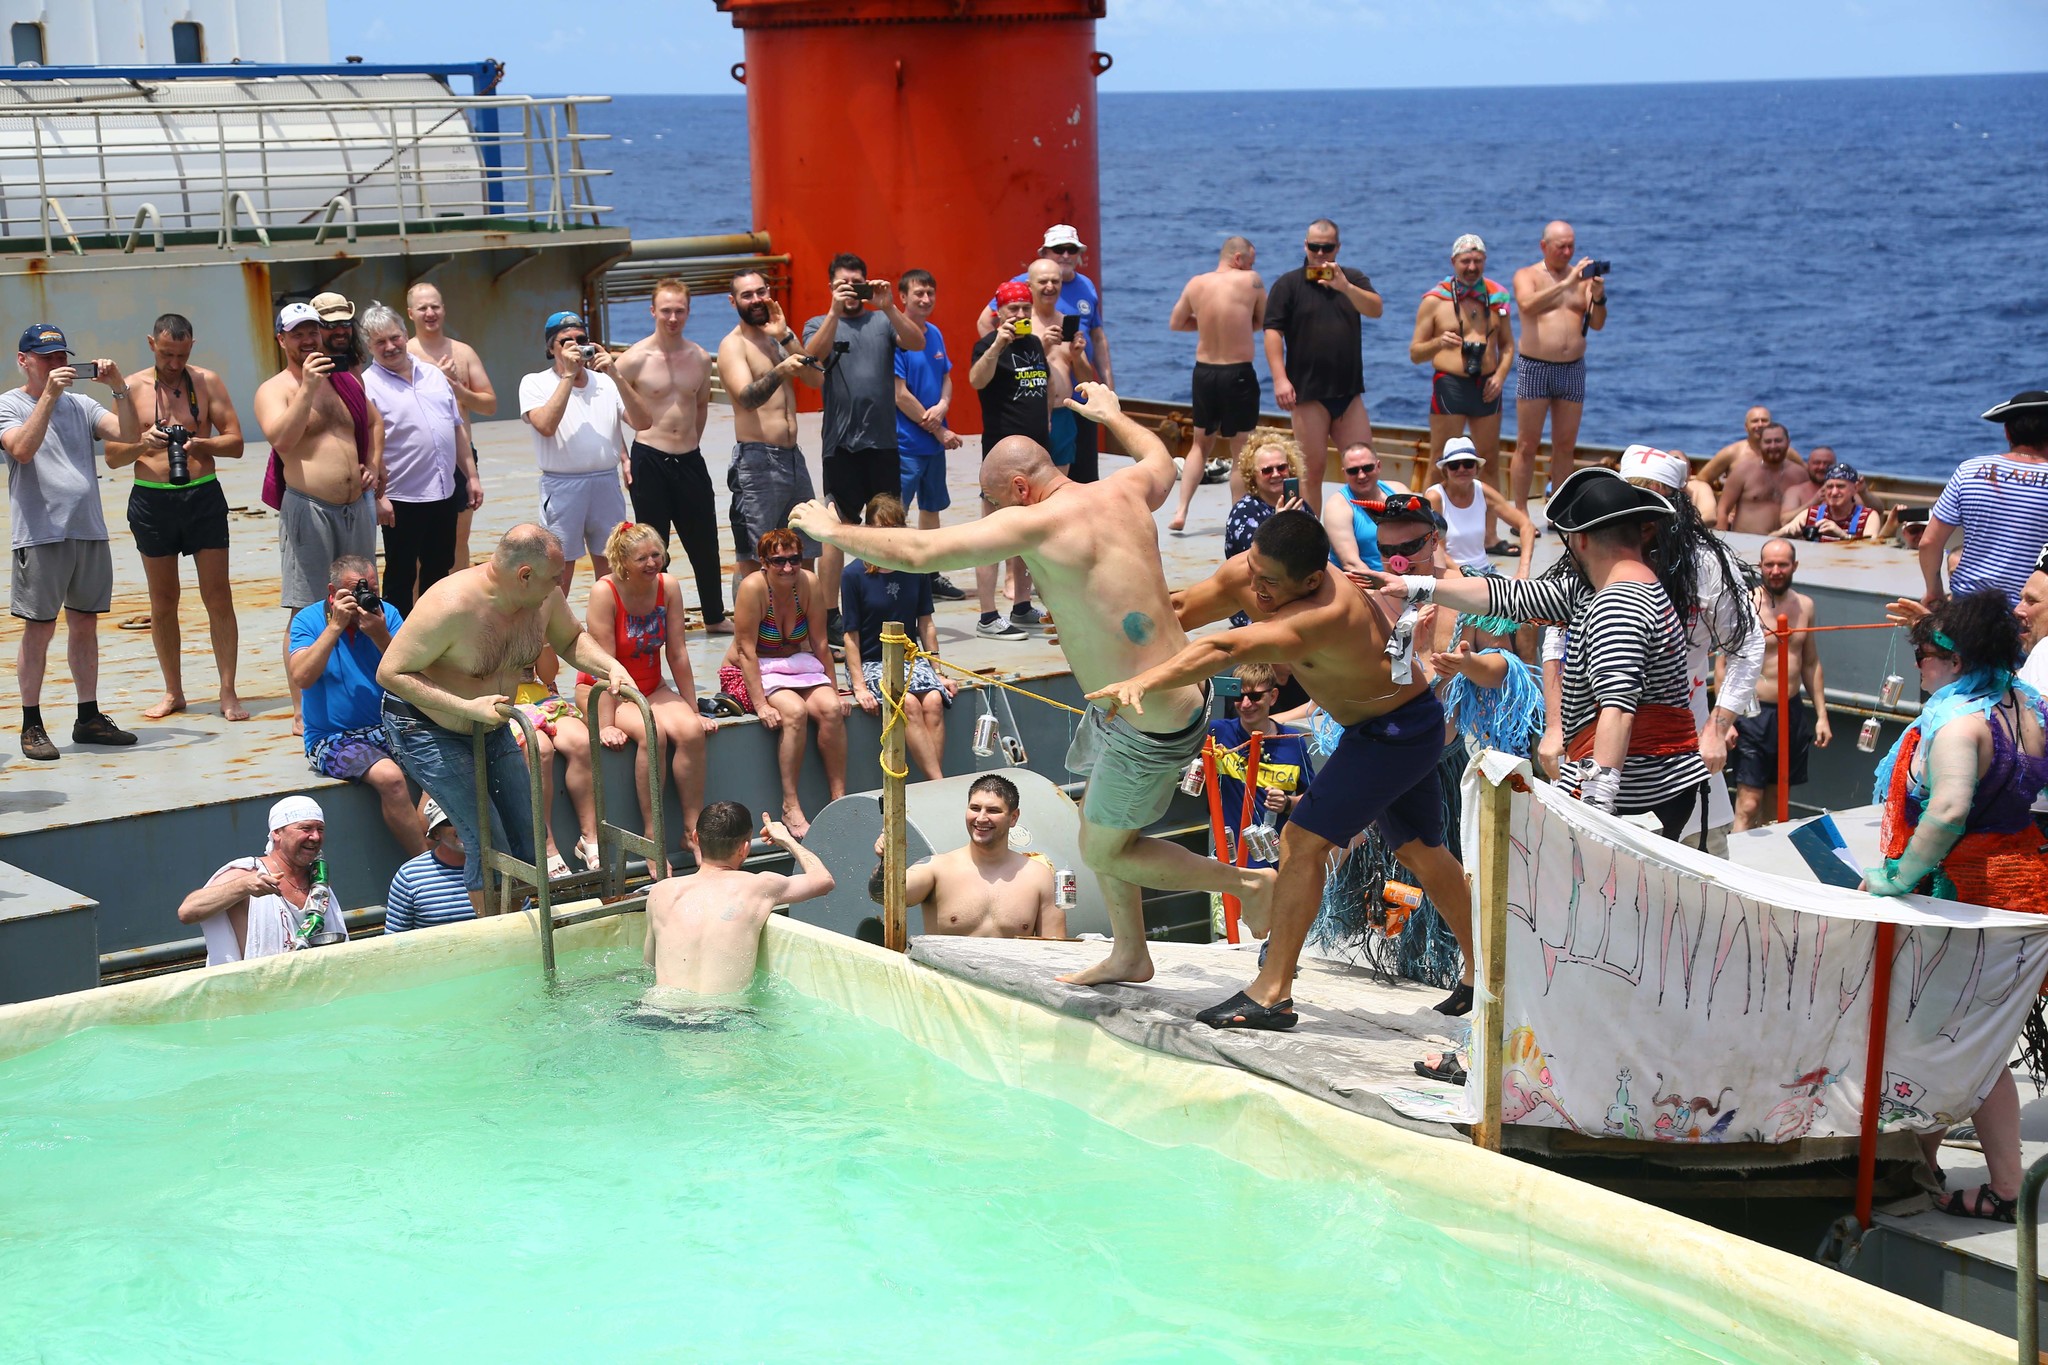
614	842
1785	717
500	867
2026	1282
895	767
1492	924
1873	1070
1219	834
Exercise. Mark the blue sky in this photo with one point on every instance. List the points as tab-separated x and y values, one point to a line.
686	46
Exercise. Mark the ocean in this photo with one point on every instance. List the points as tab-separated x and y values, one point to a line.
1868	258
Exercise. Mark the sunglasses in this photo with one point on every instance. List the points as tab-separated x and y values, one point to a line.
1407	549
1320	248
1922	653
1256	693
1064	250
785	561
1360	471
571	340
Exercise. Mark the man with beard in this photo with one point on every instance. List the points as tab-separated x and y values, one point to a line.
984	888
758	361
1756	752
1753	497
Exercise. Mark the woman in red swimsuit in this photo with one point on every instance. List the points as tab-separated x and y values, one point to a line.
636	616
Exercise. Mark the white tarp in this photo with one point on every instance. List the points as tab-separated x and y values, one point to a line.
1657	993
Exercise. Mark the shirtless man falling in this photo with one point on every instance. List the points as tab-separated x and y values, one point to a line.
1753	498
985	888
671	486
464	370
330	485
1463	334
704	929
1226	310
1094	551
768	476
1558	302
1383	771
170	520
455	664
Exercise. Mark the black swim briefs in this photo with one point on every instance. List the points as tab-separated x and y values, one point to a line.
1458	395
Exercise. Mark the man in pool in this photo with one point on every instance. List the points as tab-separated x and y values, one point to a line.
984	888
704	929
1383	772
1093	549
454	665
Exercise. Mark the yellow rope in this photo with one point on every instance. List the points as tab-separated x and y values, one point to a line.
913	653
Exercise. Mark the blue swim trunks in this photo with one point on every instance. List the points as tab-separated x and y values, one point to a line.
1384	770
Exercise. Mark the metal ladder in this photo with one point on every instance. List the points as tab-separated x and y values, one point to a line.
2026	1282
502	870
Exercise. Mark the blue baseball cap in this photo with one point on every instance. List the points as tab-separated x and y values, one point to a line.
557	321
44	338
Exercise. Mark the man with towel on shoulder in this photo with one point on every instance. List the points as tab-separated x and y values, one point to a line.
255	907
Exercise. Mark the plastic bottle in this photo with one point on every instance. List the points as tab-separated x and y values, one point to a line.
322	914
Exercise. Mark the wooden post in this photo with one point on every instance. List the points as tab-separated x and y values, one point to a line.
1490	917
1785	717
895	762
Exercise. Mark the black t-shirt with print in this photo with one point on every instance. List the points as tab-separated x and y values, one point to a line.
1015	402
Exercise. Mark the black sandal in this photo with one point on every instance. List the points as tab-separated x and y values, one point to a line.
1446	1069
1458	1002
1503	547
1241	1011
2001	1210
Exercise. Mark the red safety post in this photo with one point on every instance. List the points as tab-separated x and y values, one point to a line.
1218	835
1251	796
1784	718
1873	1070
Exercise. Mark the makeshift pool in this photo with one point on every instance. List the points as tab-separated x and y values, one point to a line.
426	1155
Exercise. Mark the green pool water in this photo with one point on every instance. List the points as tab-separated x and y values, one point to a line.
486	1170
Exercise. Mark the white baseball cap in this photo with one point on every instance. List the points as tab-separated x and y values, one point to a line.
1469	242
434	815
1458	450
1658	466
1061	234
296	315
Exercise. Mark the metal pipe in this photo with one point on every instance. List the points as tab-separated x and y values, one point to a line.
719	244
135	230
2027	1281
1784	718
1873	1071
339	201
895	762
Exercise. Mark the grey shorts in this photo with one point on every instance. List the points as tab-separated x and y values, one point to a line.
311	534
1131	774
64	575
582	510
766	482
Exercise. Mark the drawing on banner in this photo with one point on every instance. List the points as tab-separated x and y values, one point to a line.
1683	1123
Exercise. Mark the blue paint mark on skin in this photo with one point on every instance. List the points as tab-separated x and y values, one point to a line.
1138	628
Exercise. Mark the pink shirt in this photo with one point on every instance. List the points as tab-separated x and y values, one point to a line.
420	421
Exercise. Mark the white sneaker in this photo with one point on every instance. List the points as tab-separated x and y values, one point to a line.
999	629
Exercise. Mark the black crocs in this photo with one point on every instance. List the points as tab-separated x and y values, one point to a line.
1241	1011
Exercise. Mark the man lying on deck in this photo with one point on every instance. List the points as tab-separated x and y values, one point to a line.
704	929
1385	769
1094	551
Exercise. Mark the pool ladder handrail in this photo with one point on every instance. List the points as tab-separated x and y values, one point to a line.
2026	1282
501	869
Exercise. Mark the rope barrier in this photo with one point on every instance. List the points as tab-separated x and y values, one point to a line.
912	653
1816	630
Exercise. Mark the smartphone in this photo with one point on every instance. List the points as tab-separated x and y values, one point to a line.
89	369
1070	326
1291	488
841	347
863	291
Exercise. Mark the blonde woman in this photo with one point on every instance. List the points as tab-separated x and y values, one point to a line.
636	616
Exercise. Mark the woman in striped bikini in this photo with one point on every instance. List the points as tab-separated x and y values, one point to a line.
780	666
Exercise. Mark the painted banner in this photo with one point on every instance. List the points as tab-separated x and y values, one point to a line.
1658	993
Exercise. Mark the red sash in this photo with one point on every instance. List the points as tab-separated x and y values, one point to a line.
1660	731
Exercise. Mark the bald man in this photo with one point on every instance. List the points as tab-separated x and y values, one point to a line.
1559	303
1226	310
1093	550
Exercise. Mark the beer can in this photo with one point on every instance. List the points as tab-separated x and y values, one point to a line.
1867	738
1403	895
1754	709
1013	749
1889	694
1066	889
1261	844
986	732
1191	780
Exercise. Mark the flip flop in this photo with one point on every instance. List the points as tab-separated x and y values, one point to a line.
1503	547
1241	1011
1984	1204
1446	1069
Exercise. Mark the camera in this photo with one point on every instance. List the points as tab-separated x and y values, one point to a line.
1475	357
841	347
863	290
89	370
1321	274
1021	327
366	598
1595	269
589	352
175	438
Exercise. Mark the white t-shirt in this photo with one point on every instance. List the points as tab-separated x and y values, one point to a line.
273	923
590	439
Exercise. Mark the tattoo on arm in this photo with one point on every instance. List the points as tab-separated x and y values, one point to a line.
758	392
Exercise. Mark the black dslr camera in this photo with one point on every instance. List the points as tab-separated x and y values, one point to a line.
175	438
366	598
1595	269
1475	357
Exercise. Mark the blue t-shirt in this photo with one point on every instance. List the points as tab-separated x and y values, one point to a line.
924	374
1283	763
1079	297
2002	506
347	696
866	600
425	892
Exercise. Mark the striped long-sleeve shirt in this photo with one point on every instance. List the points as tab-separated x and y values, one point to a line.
1627	650
425	892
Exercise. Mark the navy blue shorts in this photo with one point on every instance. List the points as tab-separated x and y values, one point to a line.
1384	771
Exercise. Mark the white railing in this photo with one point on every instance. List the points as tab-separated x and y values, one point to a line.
89	171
